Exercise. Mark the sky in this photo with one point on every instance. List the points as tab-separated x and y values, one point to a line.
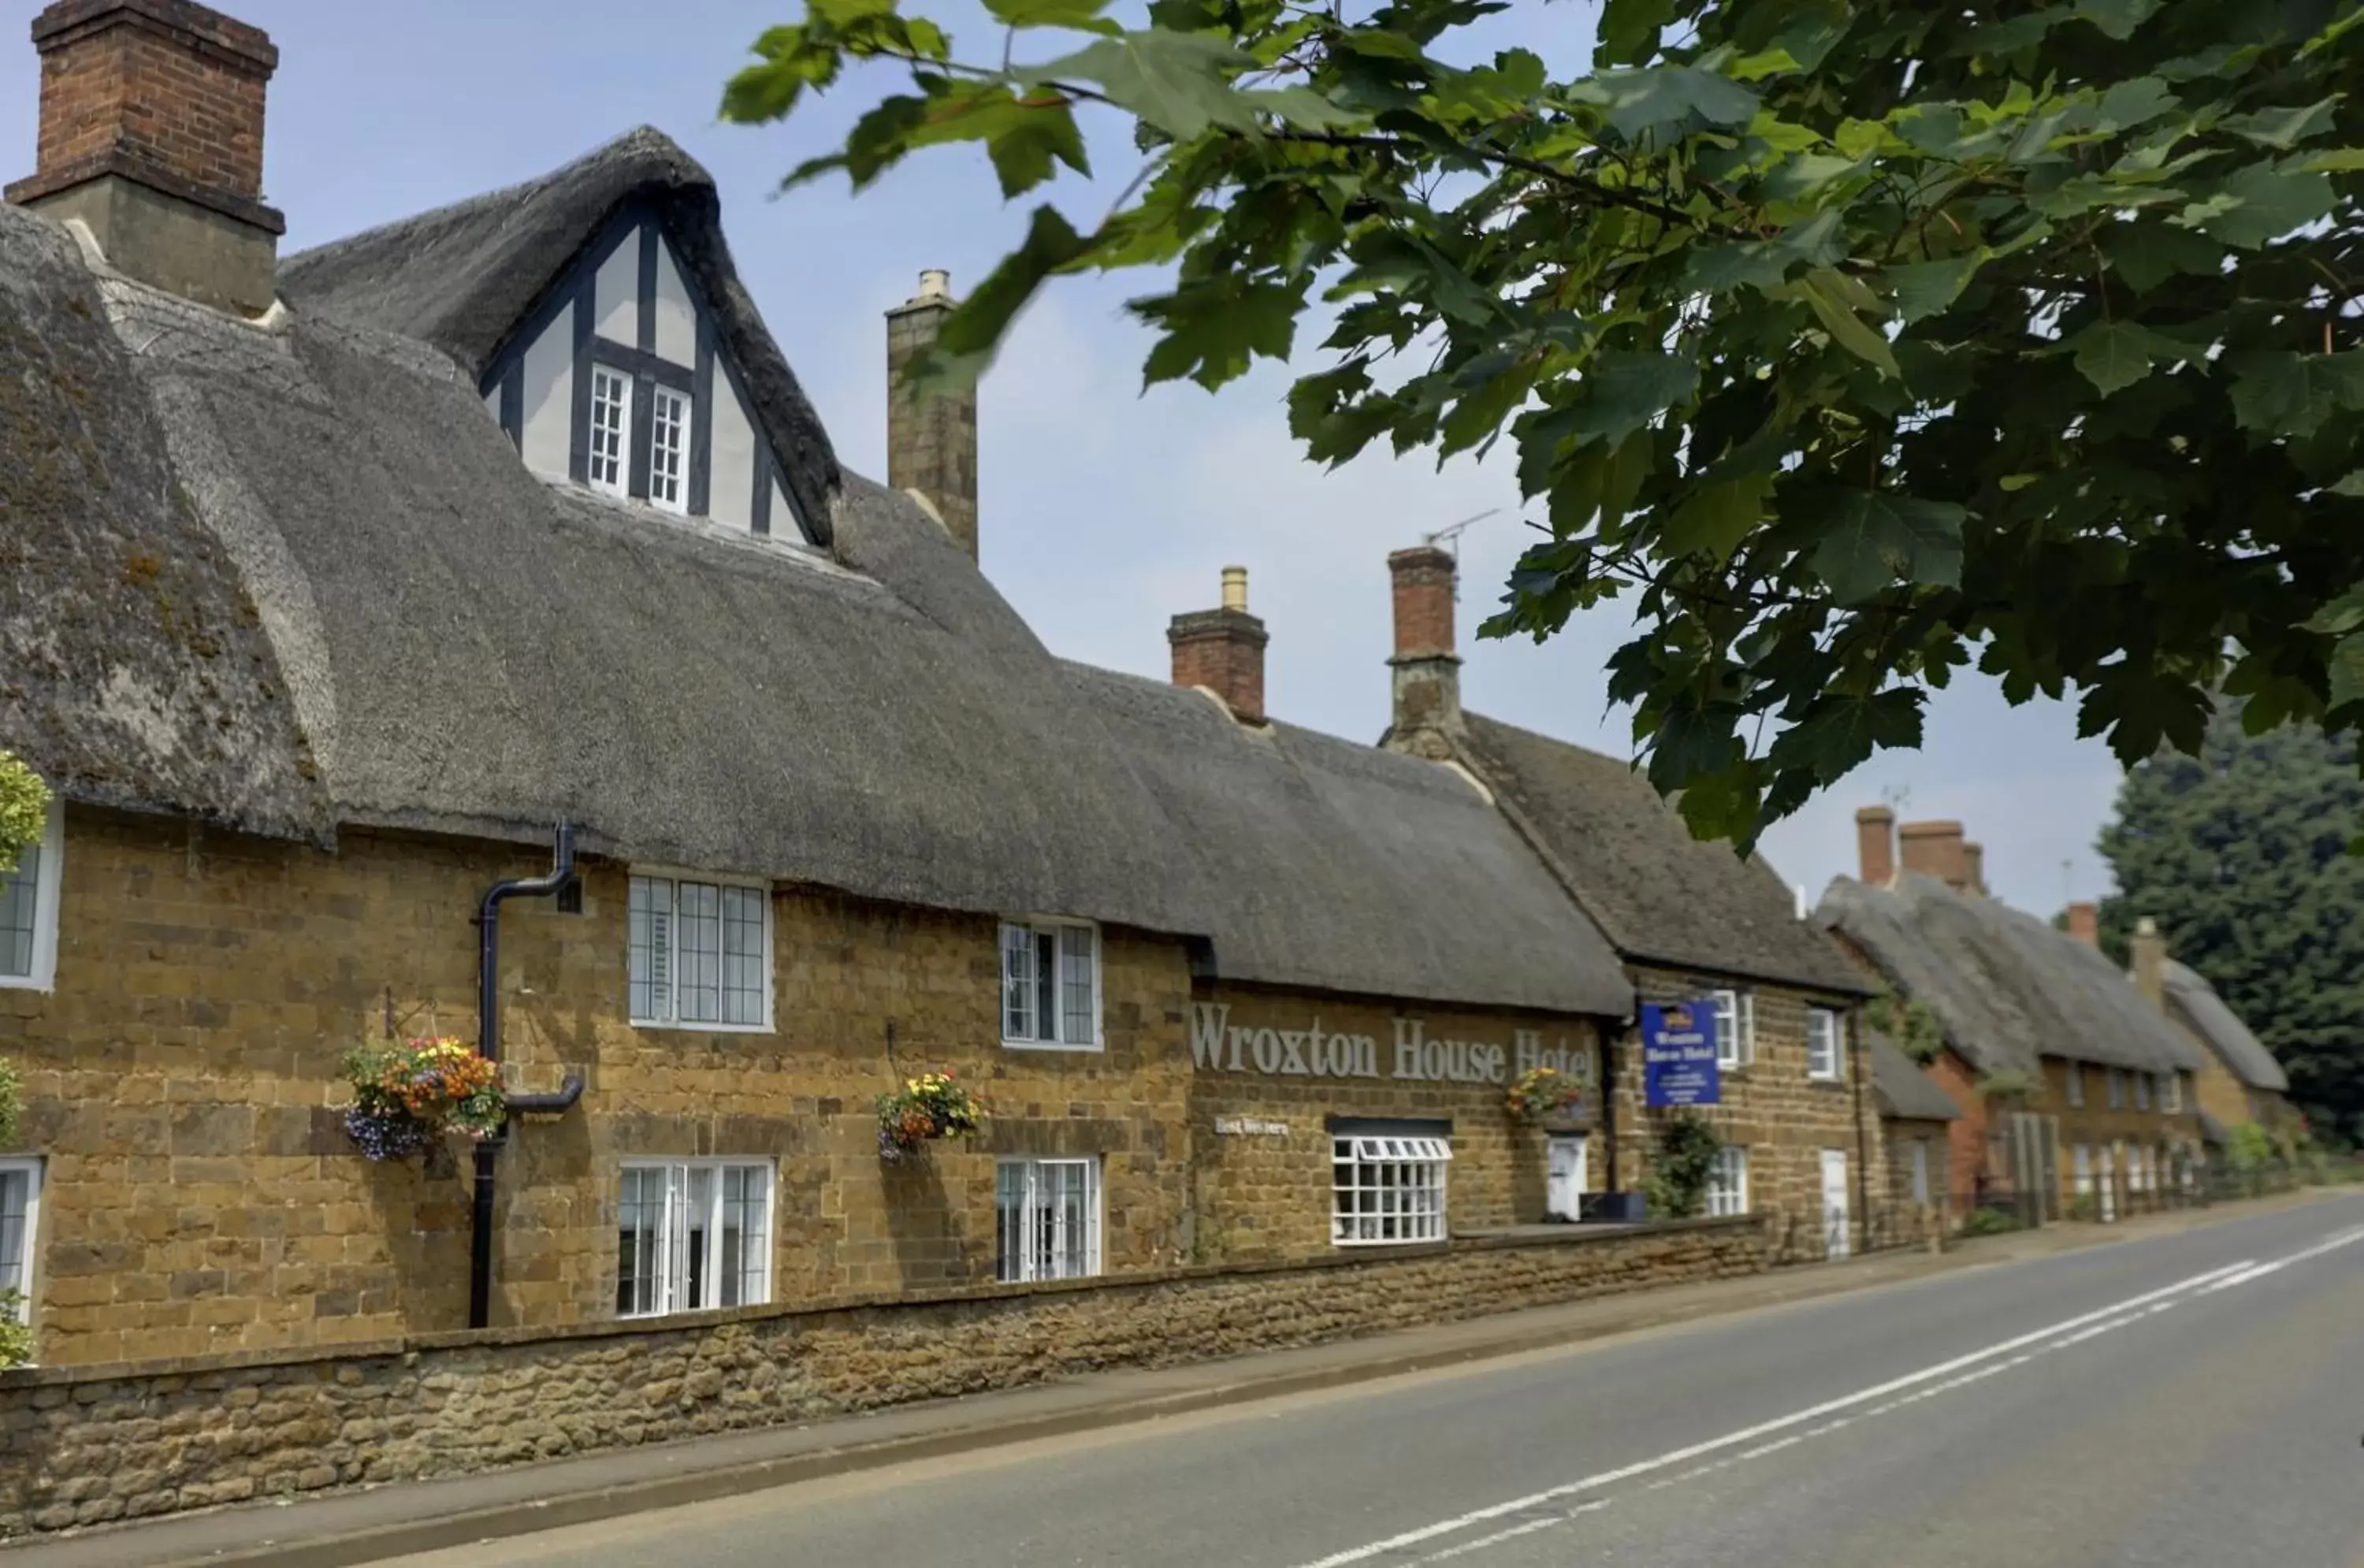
1104	510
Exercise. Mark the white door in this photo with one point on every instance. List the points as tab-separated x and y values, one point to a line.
1834	1203
1921	1171
2109	1182
2081	1166
1564	1185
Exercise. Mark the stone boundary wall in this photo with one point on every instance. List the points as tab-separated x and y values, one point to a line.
85	1445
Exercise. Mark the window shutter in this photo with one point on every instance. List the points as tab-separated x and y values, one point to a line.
1016	983
1079	984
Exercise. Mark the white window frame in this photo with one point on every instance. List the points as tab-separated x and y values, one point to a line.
20	1279
670	1018
2075	1080
1735	1028
1834	1024
671	1285
660	395
49	875
1727	1183
2117	1088
592	459
2171	1092
1388	1190
1025	1266
1033	928
2142	1091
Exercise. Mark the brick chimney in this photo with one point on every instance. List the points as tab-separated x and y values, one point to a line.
2085	922
1974	869
2148	951
1933	848
1875	845
151	135
931	440
1223	650
1427	670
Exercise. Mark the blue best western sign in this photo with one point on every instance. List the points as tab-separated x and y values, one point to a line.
1678	1053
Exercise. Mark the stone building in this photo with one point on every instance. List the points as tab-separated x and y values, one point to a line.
2075	1096
2239	1082
465	629
1916	1121
1690	922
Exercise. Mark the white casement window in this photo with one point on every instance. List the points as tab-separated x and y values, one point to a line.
2117	1090
1735	1028
28	912
693	1234
20	1213
1727	1183
2075	1082
611	418
2142	1091
1386	1191
700	953
1826	1043
1047	1219
669	450
1051	984
1921	1171
2171	1092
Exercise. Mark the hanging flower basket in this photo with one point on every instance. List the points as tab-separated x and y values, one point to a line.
929	1106
408	1095
1544	1094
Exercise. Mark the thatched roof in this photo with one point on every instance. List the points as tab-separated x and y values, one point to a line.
2200	1009
461	277
2006	988
289	576
1318	862
1904	1092
1662	896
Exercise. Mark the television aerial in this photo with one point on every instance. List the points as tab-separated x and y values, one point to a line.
1450	538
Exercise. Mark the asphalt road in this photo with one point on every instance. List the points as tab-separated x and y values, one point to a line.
2188	1399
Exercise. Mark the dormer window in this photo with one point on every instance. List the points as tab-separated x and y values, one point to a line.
623	380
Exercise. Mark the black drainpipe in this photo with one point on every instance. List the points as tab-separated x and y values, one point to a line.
489	1046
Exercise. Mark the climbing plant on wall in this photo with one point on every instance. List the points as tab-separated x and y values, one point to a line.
24	809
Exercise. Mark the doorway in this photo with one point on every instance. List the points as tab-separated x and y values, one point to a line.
1564	1178
1835	1203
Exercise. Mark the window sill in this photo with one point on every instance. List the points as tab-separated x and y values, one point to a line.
1095	1048
1827	1080
670	1027
1396	1241
43	982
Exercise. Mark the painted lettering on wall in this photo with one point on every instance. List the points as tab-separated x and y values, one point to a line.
1411	1054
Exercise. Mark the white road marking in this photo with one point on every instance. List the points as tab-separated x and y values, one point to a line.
1911	1386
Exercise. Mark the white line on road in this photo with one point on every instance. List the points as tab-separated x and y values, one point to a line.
1912	1381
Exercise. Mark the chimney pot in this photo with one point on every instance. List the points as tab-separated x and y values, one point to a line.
151	135
1875	844
2149	955
930	441
1427	670
1934	850
2085	922
1235	587
1223	650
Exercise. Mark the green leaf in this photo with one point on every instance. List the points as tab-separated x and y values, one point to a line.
2143	707
2291	395
2118	18
1867	540
1081	14
2260	203
1623	390
2283	129
1923	289
966	342
2147	253
1215	328
2116	354
1826	293
2346	668
1717	516
1677	97
1180	82
2342	616
1837	734
2138	101
1629	29
2349	485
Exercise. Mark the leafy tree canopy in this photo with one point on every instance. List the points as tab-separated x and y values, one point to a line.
2240	855
1848	341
